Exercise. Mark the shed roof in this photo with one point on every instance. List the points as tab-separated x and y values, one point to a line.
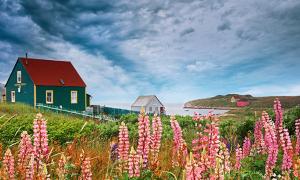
144	100
52	72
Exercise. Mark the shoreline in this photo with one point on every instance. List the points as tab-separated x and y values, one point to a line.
213	108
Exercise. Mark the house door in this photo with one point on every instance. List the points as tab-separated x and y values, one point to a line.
162	110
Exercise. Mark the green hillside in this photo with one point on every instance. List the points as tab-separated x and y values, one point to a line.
62	128
255	102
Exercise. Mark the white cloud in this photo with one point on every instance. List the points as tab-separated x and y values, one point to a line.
273	90
200	66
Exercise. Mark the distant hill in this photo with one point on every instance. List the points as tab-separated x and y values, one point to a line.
221	101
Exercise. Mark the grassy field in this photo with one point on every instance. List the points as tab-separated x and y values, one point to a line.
69	135
72	134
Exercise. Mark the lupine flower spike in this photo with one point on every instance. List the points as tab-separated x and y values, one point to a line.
192	170
297	133
86	173
287	151
155	140
212	131
40	144
123	146
238	157
25	150
133	164
61	171
278	116
144	138
179	146
271	143
30	168
259	143
222	162
246	147
9	164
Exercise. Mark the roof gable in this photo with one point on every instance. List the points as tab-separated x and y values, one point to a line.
52	72
143	101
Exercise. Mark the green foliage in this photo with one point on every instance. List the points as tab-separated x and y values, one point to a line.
290	117
254	163
236	131
16	118
245	128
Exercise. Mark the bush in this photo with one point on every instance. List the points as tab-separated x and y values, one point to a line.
290	117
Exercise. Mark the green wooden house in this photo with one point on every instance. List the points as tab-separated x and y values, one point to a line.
47	82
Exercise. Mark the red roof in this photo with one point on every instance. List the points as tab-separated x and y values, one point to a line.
52	73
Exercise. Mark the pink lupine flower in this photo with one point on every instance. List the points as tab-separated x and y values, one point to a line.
222	162
271	143
61	171
9	164
179	145
297	132
238	157
278	115
40	143
287	151
197	117
25	150
30	168
199	147
259	143
133	164
123	145
155	139
246	147
86	173
206	148
144	138
192	170
212	131
225	156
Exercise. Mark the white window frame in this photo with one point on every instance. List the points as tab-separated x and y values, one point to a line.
19	76
13	96
52	96
73	100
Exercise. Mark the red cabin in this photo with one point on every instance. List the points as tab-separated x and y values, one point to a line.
242	103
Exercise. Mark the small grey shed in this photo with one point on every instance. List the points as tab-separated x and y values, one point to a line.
150	103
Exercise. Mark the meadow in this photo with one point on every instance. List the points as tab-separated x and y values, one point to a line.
57	146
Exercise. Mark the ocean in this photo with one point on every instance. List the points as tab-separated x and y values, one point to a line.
173	109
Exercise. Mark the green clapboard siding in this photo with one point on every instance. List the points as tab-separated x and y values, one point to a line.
27	88
62	96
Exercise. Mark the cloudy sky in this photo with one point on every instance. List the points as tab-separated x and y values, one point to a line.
176	49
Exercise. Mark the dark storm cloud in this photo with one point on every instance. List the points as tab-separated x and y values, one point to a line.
187	31
151	42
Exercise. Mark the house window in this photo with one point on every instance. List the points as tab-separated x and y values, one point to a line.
73	97
19	77
156	109
13	96
150	109
49	97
